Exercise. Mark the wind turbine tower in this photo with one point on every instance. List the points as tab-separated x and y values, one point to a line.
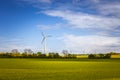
44	41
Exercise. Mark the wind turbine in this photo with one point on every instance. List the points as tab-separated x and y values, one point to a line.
44	41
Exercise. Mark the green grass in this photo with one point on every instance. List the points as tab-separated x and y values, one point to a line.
58	69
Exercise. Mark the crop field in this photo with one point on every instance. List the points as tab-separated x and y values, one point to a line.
59	69
115	56
83	56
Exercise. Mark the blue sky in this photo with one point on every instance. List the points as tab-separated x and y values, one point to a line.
80	26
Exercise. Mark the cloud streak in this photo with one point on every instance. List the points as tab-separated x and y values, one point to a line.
83	20
9	44
110	9
90	43
49	27
38	1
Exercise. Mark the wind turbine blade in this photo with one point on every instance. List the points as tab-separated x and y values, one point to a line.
43	40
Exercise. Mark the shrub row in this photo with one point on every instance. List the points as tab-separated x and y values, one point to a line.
99	56
35	55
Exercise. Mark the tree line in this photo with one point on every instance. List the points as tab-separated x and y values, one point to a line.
28	53
99	56
102	56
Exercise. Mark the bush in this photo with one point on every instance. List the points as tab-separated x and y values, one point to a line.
99	56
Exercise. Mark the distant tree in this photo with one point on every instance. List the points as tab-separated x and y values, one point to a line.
24	54
28	51
65	52
101	56
91	56
39	53
14	51
43	56
112	53
108	56
56	55
53	55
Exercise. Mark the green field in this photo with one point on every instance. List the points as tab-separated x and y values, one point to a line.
51	69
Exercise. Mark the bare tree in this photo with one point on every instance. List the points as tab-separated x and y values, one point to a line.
15	51
28	51
65	52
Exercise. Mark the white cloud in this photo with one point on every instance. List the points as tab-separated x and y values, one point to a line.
82	20
96	1
49	27
45	1
38	1
112	9
90	43
9	44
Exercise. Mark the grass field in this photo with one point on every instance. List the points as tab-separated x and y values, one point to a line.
51	69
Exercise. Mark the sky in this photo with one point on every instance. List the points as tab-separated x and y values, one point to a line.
79	26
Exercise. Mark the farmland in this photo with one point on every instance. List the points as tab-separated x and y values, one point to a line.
59	69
